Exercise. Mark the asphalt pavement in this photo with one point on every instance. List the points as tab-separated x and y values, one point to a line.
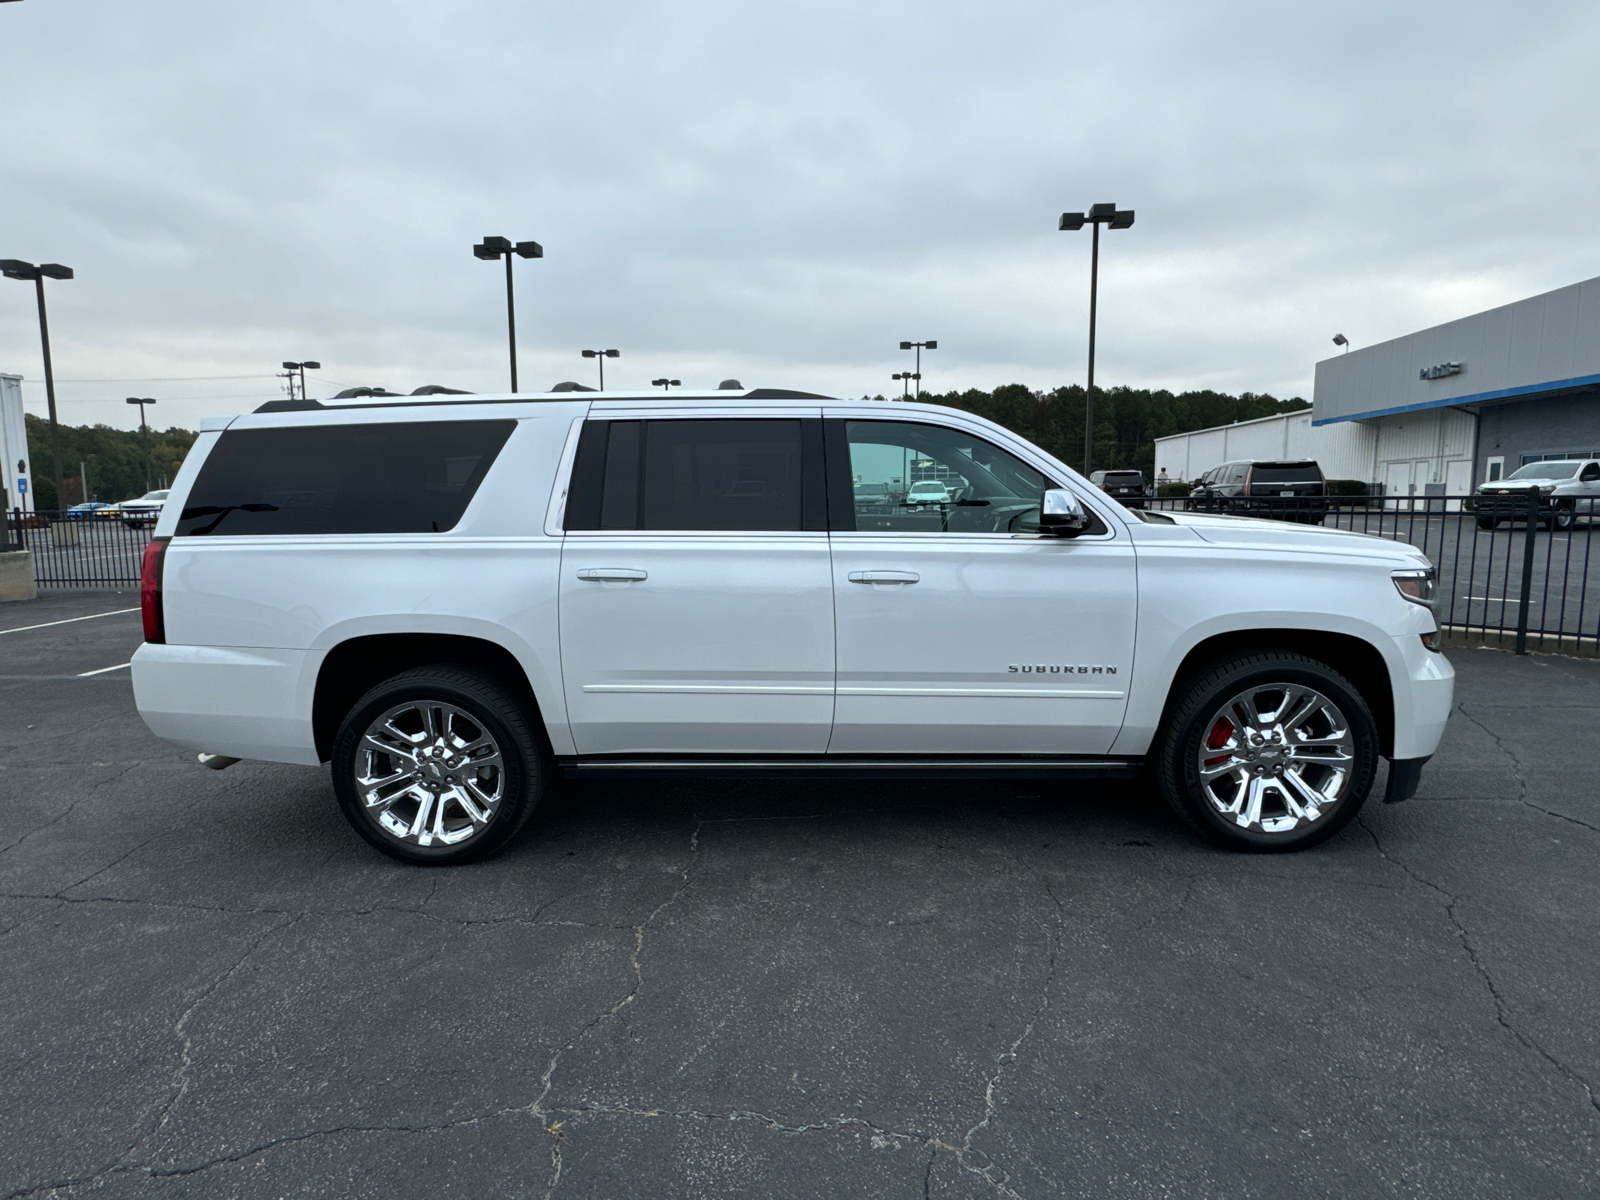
209	986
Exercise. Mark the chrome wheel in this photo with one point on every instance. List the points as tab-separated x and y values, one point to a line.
429	774
1276	758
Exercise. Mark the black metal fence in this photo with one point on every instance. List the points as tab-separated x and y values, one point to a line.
1503	578
80	549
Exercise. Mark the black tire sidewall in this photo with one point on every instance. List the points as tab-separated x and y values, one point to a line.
1180	770
485	699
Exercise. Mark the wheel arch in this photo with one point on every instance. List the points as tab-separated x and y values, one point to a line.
355	665
1357	659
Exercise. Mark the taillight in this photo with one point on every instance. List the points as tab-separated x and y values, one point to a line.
155	625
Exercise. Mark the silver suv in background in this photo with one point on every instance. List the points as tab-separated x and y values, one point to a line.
1567	487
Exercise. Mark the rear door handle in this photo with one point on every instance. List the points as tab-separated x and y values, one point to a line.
612	575
893	577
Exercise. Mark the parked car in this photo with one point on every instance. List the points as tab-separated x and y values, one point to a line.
18	519
449	648
927	491
144	510
90	509
1568	488
1288	490
1126	486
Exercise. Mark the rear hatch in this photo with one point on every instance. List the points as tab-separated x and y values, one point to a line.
1284	479
1123	483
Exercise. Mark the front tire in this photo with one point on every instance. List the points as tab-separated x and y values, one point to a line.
1268	752
1561	515
438	765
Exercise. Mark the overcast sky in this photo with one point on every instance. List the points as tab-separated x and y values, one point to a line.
777	192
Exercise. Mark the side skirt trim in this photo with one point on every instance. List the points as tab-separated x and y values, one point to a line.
842	767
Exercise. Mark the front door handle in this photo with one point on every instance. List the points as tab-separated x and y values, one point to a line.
612	575
890	577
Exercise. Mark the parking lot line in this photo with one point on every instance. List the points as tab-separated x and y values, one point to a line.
69	620
103	670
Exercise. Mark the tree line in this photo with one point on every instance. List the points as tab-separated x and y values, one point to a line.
122	459
1127	420
1126	423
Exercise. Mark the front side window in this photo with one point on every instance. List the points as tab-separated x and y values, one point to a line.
391	477
719	475
909	477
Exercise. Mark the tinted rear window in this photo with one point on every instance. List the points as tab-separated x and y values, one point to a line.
415	477
1123	478
728	474
1292	473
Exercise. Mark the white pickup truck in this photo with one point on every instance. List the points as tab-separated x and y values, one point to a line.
453	601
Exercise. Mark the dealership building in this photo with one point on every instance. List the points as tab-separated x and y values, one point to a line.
1438	411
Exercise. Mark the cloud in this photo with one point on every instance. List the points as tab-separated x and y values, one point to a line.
779	192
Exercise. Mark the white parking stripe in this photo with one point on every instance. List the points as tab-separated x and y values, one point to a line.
103	670
114	613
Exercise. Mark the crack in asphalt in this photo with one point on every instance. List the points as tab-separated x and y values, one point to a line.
547	1080
1517	774
1451	900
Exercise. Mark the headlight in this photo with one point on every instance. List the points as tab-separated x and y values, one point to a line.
1417	586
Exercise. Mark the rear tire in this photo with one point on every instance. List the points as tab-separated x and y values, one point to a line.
438	766
1487	523
1268	752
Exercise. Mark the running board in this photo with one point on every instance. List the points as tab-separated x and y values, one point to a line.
842	767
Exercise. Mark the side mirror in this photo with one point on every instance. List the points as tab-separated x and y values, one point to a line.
1061	512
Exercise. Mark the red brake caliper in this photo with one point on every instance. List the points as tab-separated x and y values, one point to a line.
1220	733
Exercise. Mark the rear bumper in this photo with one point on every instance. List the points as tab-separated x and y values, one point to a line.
253	703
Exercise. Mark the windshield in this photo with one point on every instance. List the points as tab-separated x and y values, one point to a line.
154	496
1545	470
927	487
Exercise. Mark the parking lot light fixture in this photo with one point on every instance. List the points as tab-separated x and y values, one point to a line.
601	356
919	347
299	368
1112	217
492	248
1339	339
15	268
666	385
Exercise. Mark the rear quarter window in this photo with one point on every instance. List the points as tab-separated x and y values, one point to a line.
409	477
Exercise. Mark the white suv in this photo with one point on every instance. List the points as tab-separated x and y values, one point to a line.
454	601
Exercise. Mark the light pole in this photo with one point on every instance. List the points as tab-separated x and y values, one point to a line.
920	347
602	355
498	247
1115	218
666	385
1339	339
15	268
905	387
292	368
144	430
